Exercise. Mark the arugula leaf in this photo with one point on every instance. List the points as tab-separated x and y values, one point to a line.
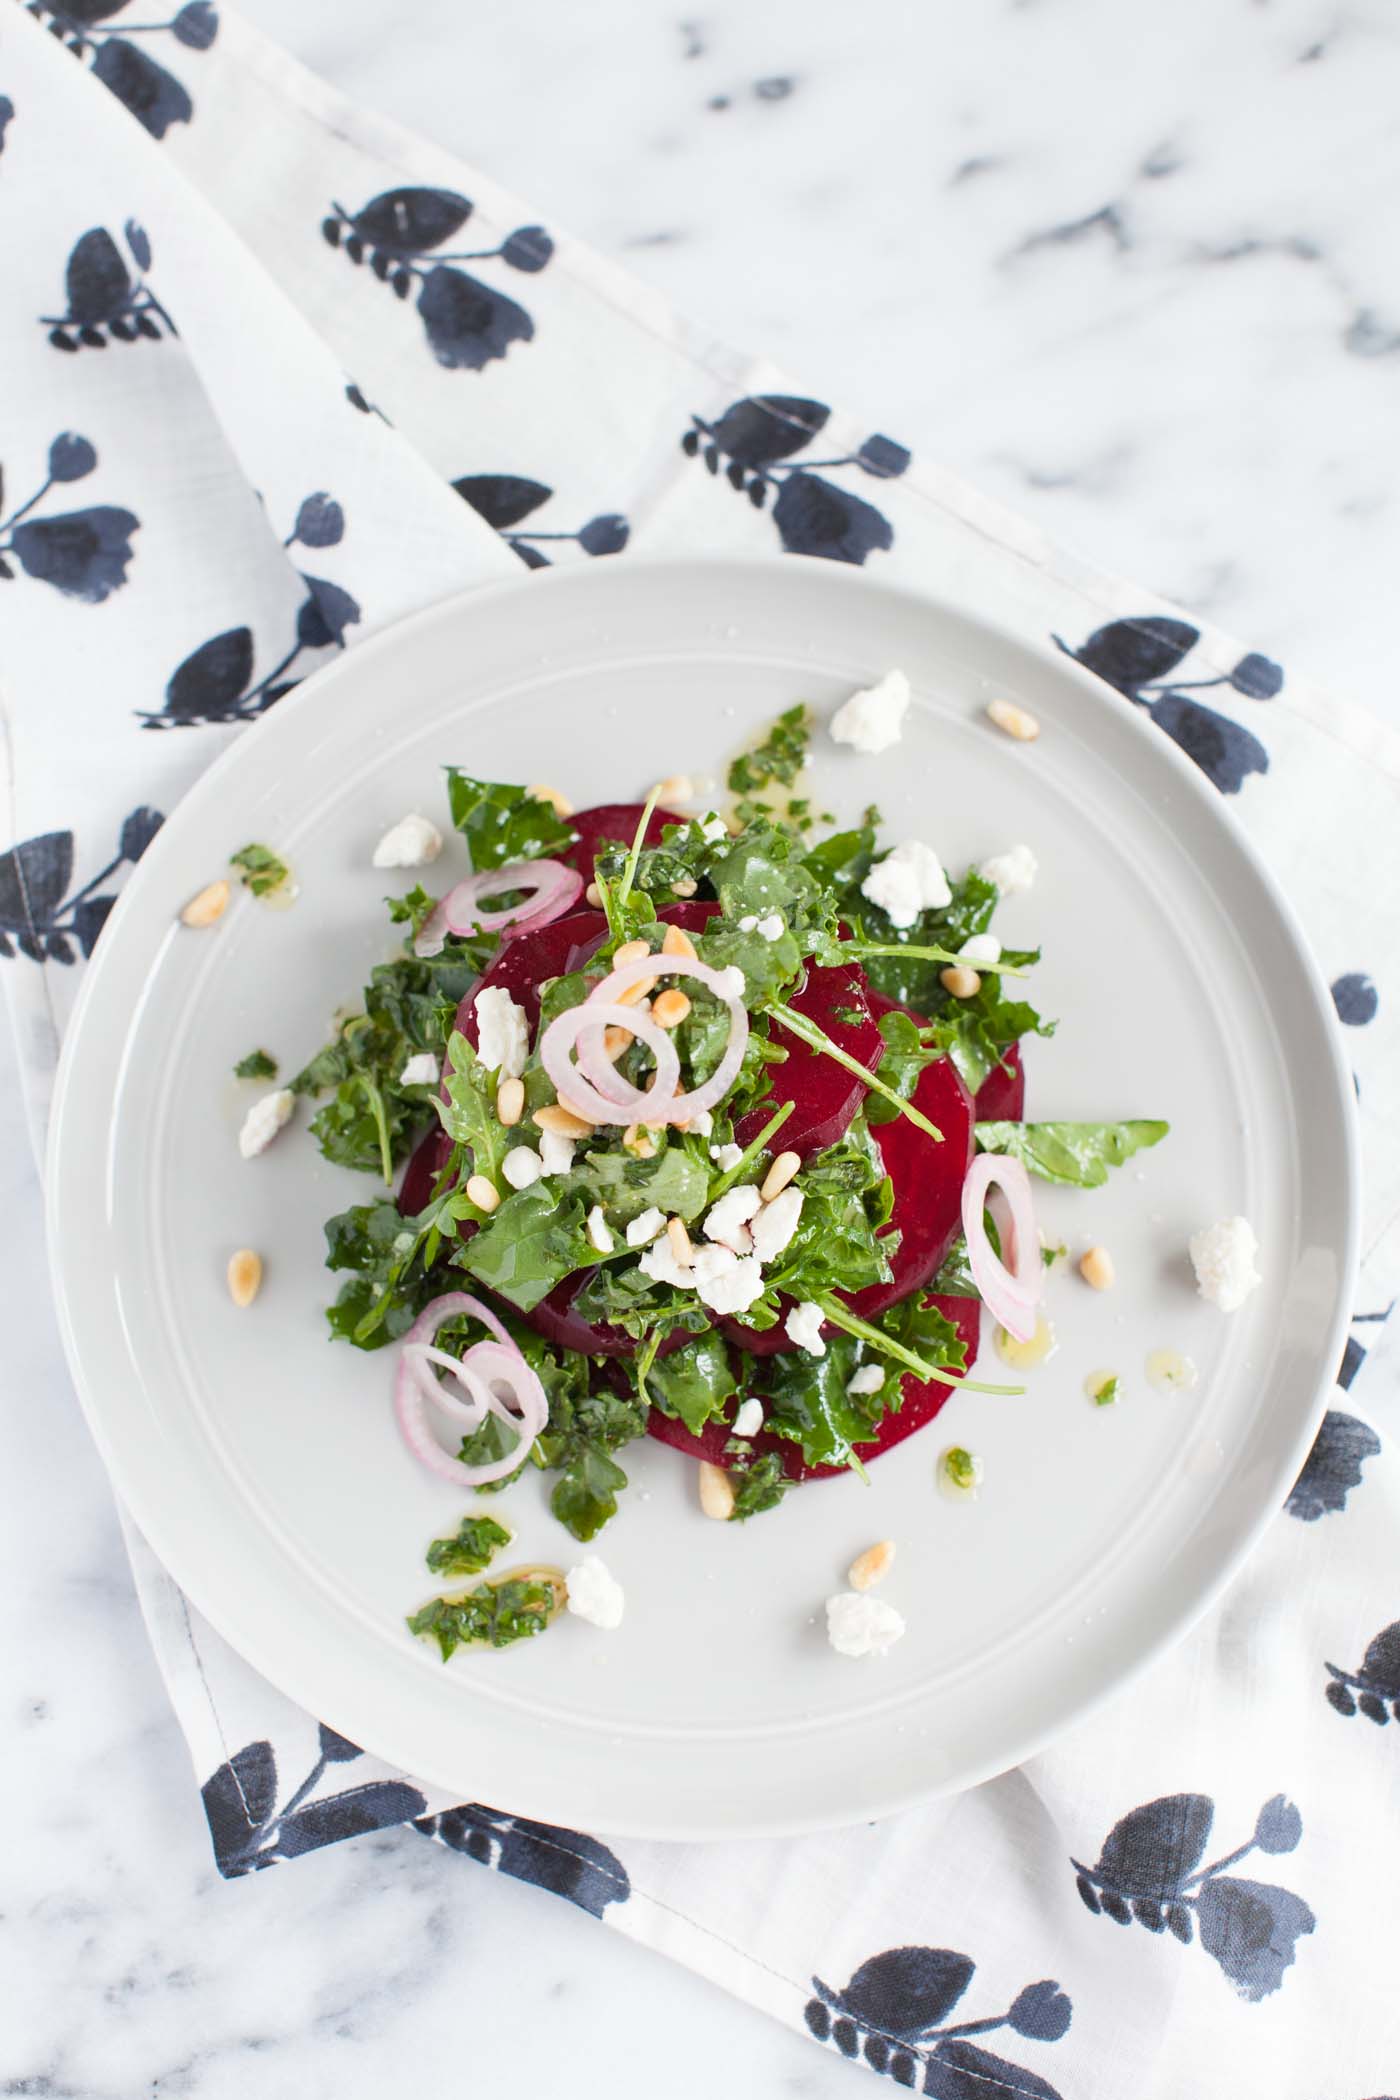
954	1279
414	909
805	1400
677	1181
515	1609
492	1441
502	823
977	1032
1077	1155
693	1382
470	1549
847	1198
759	1484
842	861
469	1113
262	871
909	1050
256	1065
533	1241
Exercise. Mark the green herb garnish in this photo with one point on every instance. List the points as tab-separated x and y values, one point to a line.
759	1484
262	871
780	757
1107	1393
514	1608
256	1065
963	1471
471	1548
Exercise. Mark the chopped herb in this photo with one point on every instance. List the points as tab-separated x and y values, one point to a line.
262	871
780	757
1107	1393
414	909
514	1608
961	1470
1078	1155
256	1065
476	1541
759	1484
1050	1255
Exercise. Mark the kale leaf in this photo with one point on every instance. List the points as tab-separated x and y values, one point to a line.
495	1612
471	1548
1077	1155
502	823
256	1065
759	1484
260	869
693	1382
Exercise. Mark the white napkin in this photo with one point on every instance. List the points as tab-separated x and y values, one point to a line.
312	373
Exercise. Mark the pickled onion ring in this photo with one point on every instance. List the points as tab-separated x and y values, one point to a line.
550	888
594	1086
478	1371
1012	1292
712	1090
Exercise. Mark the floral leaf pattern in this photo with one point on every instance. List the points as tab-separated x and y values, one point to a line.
566	1862
1333	1466
505	500
38	917
468	323
105	302
894	2013
1374	1689
1149	1873
250	1832
82	553
1139	657
755	441
154	96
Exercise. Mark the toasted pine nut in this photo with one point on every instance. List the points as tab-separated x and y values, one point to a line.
615	1041
483	1193
677	787
638	1142
560	804
958	979
594	896
510	1102
631	951
669	1009
634	994
680	1241
1014	720
686	887
1096	1267
779	1175
872	1566
244	1276
716	1491
561	1121
210	904
677	941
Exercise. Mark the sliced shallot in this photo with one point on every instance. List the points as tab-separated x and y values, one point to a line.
480	1372
609	1098
1011	1291
550	889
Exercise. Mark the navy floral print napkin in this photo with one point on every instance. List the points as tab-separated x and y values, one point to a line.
280	373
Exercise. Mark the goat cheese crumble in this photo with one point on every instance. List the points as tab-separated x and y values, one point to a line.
748	1420
859	1624
726	1156
522	1165
873	719
868	1379
599	1231
422	1070
644	1228
1013	872
908	881
803	1326
771	927
408	844
264	1119
776	1223
556	1152
1223	1257
595	1594
980	948
728	1221
503	1035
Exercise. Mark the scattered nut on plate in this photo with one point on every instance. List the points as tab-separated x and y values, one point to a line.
209	904
244	1276
1015	721
872	1566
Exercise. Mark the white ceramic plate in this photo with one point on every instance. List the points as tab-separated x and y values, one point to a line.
261	1460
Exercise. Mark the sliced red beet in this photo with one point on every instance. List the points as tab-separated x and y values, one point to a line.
825	1095
922	1400
612	824
1001	1098
524	963
554	1317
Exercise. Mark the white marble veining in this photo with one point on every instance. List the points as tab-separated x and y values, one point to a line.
1130	270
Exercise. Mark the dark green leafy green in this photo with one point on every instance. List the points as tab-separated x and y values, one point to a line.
759	1484
954	1279
805	1400
676	1180
413	909
502	823
469	1113
391	1259
534	1240
779	757
260	869
471	1547
494	1614
256	1065
909	1050
693	1382
847	1198
585	1429
1077	1155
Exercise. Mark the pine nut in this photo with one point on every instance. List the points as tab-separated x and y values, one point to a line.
560	804
631	994
510	1102
637	1141
1014	720
561	1121
686	887
677	787
958	979
779	1175
677	941
594	896
615	1041
483	1193
1096	1267
716	1492
631	951
244	1275
872	1566
210	904
680	1241
670	1009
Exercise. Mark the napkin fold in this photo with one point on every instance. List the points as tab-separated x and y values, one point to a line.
312	373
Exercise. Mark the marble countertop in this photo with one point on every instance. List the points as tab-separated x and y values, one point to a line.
1127	270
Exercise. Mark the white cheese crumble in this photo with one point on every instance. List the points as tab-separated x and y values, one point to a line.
599	1231
728	1221
263	1121
408	844
521	1166
749	922
873	719
702	1122
776	1223
730	983
749	1418
980	948
907	881
714	829
726	1156
803	1325
659	1262
556	1152
772	928
503	1037
422	1070
1223	1257
643	1229
1013	872
868	1379
859	1624
725	1281
595	1593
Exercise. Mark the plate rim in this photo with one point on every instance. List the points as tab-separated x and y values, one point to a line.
929	604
